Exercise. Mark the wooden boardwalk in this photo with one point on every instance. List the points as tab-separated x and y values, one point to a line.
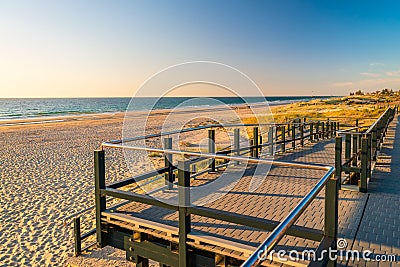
214	229
278	194
379	230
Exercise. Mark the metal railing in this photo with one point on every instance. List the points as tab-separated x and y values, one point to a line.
280	137
361	146
278	231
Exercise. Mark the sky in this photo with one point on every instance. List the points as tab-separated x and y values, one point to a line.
109	48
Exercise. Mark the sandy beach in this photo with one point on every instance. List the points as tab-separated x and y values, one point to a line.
47	174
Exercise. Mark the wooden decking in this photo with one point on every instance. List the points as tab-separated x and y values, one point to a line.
276	196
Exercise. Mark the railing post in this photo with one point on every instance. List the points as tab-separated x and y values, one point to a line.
100	183
236	143
347	147
327	133
312	132
355	149
322	130
255	142
332	129
293	136
374	144
283	135
211	148
184	217
317	136
338	159
335	127
364	165
169	176
302	134
331	211
77	236
369	154
271	140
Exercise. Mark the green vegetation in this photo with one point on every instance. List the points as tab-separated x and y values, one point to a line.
358	105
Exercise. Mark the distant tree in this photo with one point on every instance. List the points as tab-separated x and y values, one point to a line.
386	91
358	92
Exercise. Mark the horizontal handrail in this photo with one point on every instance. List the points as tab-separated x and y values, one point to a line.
203	127
218	156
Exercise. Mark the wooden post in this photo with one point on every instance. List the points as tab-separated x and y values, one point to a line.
312	132
331	208
369	154
293	136
169	176
364	165
77	236
355	149
323	130
100	183
338	159
302	134
236	143
374	145
184	217
327	132
283	129
271	140
335	128
317	131
211	148
255	142
347	151
331	212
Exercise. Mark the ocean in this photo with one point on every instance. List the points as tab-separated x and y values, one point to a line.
21	108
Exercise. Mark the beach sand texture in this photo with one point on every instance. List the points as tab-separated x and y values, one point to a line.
46	174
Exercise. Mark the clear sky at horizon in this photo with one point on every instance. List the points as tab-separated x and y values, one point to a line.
108	48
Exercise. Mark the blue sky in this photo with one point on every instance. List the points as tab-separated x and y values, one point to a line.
108	48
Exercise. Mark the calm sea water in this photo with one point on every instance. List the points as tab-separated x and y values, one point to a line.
39	107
